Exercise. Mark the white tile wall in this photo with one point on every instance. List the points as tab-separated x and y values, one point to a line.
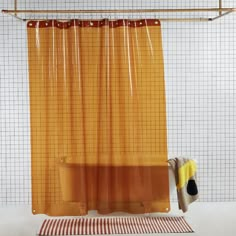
200	71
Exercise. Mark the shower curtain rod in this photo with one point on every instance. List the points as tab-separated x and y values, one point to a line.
221	12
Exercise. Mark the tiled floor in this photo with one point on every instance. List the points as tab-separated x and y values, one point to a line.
207	219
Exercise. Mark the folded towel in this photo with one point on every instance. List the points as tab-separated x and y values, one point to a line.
185	177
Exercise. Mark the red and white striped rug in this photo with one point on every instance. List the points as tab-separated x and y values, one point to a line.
114	225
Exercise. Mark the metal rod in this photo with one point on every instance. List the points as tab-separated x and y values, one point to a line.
220	7
122	11
15	7
184	19
223	14
161	19
16	16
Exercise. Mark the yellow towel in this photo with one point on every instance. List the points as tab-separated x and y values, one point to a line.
185	172
185	177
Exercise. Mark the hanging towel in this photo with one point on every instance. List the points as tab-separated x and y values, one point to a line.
185	177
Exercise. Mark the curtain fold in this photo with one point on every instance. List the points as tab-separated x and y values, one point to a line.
98	117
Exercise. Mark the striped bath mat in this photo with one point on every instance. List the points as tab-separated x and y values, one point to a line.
114	225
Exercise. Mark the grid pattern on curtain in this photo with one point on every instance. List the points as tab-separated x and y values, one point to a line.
98	117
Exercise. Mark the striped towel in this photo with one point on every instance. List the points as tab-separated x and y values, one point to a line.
113	225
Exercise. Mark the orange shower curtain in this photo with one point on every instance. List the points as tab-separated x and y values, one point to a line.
98	117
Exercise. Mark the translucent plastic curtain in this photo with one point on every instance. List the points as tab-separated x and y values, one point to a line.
98	117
